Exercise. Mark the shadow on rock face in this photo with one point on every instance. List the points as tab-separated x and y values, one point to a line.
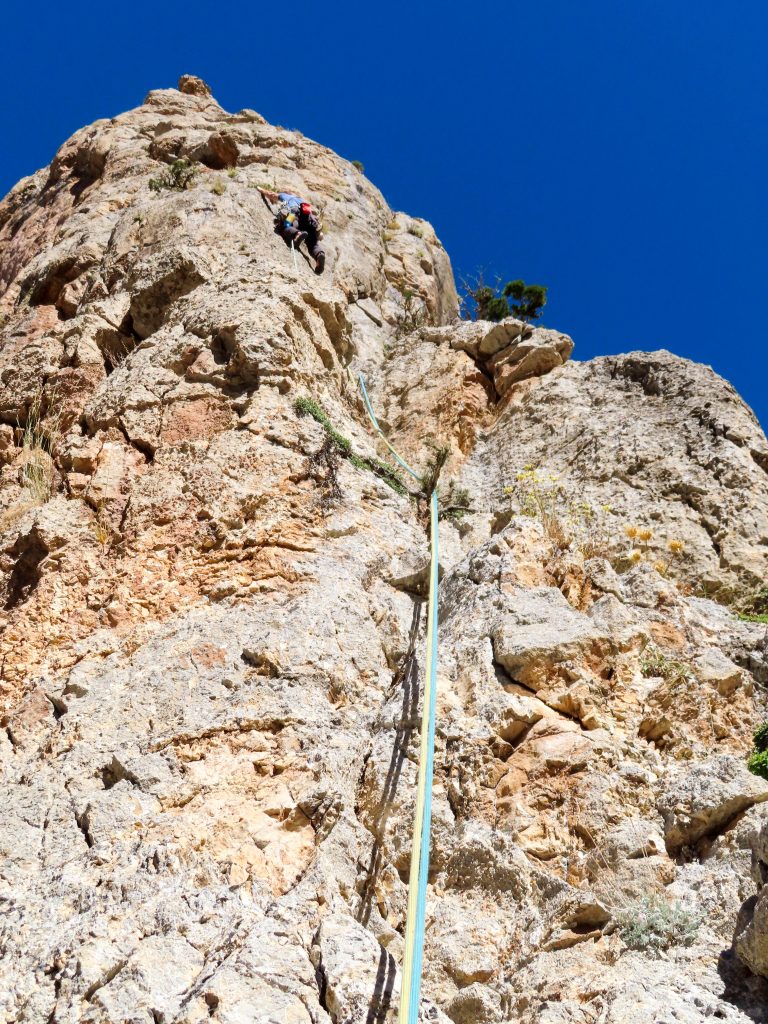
25	575
743	990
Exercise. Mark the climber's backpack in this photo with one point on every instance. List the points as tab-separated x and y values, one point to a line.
285	214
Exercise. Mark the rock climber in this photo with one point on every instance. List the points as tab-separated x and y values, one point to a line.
296	222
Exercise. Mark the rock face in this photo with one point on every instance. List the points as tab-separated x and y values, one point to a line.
213	618
703	800
752	931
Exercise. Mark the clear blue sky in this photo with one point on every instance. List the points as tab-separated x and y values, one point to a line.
615	151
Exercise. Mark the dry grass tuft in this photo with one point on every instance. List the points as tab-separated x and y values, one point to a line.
41	434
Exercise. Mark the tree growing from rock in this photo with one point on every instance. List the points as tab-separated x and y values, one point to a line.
516	298
528	300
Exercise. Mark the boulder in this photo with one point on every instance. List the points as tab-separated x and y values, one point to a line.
713	667
191	85
751	935
701	800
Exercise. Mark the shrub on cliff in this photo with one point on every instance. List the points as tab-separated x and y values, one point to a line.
568	524
655	665
516	298
325	462
528	300
758	759
412	313
177	177
653	925
754	607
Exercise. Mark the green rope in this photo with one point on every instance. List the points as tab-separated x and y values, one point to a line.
419	872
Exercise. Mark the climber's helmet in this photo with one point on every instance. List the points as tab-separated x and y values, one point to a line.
306	209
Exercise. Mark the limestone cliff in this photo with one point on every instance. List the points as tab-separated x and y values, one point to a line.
213	619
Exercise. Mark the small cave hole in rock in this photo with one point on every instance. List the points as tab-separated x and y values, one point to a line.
221	347
115	347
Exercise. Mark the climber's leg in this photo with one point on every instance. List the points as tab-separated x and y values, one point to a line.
316	251
288	234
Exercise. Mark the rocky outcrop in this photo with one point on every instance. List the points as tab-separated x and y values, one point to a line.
751	939
702	800
507	352
213	617
650	442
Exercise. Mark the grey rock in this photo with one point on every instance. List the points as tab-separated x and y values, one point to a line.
213	623
703	799
751	933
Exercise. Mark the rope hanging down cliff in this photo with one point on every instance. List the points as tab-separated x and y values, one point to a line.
417	881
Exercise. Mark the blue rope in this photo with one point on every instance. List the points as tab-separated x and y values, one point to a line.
375	423
430	688
419	873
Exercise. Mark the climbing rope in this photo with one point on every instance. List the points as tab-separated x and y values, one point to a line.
417	881
381	433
